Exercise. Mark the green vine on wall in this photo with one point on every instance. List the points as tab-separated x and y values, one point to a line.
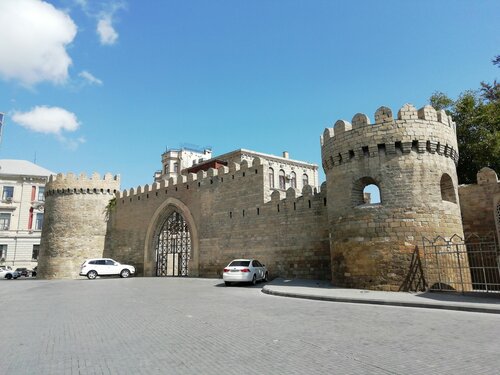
109	208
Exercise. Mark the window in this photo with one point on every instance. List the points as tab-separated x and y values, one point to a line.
8	193
239	263
3	252
282	179
305	180
366	191
447	189
109	262
166	169
371	194
41	193
293	180
4	221
39	221
271	178
35	252
176	167
30	219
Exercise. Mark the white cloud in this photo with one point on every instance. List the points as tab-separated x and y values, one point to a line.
107	33
47	120
33	40
90	78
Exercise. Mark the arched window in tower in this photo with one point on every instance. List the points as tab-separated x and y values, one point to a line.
176	167
447	189
293	180
366	191
371	194
282	179
271	178
305	180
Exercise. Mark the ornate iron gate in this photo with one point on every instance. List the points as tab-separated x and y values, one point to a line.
471	264
173	247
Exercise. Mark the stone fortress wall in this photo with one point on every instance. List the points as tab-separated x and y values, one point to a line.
327	233
481	205
75	225
412	159
228	218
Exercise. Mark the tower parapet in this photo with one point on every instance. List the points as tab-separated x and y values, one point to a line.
412	160
74	222
423	130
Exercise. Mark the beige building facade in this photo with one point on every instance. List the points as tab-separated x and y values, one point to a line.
22	187
174	161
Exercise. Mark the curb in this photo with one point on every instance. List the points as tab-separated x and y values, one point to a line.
382	302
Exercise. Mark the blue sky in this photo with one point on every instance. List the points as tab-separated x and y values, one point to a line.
106	86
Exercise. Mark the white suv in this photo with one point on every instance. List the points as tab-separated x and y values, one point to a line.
105	267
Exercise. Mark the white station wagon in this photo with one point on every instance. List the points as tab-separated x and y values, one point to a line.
105	267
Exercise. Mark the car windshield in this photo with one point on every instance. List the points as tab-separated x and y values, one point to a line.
239	263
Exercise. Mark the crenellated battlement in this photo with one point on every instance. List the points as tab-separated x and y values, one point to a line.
193	181
423	130
294	197
82	184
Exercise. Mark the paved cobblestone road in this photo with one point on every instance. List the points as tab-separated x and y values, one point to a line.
198	326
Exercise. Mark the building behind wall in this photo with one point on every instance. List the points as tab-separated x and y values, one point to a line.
22	185
175	160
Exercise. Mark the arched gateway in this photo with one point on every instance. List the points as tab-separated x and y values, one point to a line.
173	246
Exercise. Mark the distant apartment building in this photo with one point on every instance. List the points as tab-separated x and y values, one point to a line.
282	172
175	160
22	188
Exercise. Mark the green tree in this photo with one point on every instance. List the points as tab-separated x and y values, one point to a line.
477	115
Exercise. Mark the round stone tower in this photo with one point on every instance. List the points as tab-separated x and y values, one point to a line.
412	160
75	222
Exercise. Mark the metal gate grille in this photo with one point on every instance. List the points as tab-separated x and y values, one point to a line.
173	249
462	265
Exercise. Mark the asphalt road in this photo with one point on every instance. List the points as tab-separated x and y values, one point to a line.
199	326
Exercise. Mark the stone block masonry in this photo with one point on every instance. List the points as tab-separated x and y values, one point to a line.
481	205
75	223
235	211
412	160
228	218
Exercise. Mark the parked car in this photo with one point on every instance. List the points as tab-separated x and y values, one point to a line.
105	267
23	271
244	271
8	274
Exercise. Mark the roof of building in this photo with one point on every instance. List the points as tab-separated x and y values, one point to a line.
22	168
243	151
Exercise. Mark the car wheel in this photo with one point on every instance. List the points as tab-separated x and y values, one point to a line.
8	276
92	275
254	280
125	273
265	277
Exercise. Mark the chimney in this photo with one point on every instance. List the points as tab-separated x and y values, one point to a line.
285	154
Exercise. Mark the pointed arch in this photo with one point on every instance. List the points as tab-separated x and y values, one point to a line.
166	209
